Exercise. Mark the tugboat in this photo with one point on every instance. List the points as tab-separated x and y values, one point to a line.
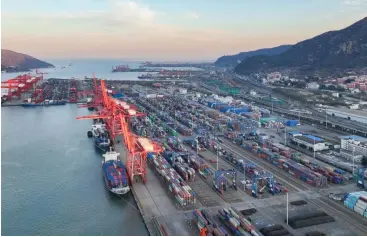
114	172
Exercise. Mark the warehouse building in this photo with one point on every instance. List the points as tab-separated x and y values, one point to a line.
309	142
355	115
354	143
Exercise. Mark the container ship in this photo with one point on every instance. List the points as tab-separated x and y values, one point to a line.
100	137
126	68
44	103
114	172
121	68
146	76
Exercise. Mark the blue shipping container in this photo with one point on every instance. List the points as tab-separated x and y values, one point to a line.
225	109
292	123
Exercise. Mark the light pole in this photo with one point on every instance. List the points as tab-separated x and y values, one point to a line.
314	152
326	120
285	135
287	208
217	159
353	158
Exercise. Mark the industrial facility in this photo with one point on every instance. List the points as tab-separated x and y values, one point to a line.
354	115
309	141
218	165
355	144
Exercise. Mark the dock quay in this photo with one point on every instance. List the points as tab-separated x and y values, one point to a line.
197	166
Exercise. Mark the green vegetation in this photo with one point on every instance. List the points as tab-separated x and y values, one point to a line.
231	60
330	52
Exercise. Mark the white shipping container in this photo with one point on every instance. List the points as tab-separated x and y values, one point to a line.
358	210
151	96
361	205
234	222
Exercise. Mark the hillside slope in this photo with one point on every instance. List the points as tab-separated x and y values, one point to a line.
231	60
13	61
334	51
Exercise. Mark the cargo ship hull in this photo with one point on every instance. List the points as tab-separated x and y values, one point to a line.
102	144
43	104
114	174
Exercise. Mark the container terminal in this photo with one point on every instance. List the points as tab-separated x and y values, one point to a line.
199	163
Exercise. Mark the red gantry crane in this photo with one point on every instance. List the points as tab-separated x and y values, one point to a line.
20	84
116	114
73	91
97	100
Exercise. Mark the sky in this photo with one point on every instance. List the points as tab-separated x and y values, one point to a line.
166	29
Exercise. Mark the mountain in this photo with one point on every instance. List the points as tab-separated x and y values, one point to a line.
231	60
332	52
16	62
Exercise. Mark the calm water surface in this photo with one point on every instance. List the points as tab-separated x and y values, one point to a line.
51	177
86	67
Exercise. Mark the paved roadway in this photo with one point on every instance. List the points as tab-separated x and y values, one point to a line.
311	194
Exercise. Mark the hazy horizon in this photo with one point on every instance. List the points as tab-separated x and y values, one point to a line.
162	30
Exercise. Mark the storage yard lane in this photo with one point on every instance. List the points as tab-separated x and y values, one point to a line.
295	185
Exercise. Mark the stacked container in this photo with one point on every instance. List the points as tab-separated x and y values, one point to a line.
180	165
236	223
200	165
183	194
305	174
203	220
357	202
291	123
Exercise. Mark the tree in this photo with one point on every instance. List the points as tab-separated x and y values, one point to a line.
364	161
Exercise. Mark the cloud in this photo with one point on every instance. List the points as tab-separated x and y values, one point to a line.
124	28
354	2
121	12
192	15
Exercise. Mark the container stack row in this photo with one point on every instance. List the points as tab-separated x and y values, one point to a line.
291	123
180	165
357	202
252	173
204	221
298	170
182	192
200	166
333	175
238	225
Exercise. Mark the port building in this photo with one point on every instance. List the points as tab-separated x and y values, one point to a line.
355	144
308	141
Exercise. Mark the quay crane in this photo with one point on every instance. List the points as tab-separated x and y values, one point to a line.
115	114
20	84
73	97
97	100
